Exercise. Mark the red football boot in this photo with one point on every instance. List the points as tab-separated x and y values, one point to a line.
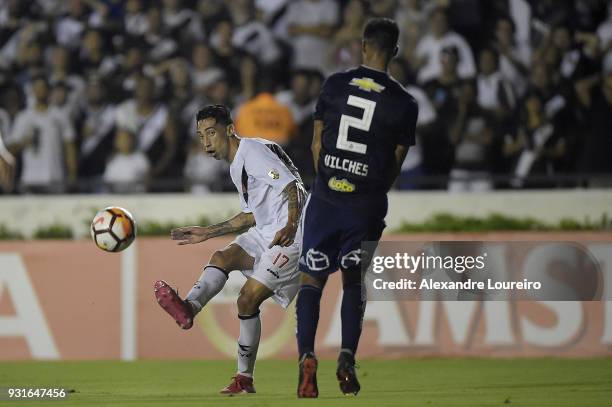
307	385
170	301
240	385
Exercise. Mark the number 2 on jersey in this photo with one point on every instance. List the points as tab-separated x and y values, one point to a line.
363	123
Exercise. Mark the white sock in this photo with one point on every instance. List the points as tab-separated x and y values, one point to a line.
210	283
248	343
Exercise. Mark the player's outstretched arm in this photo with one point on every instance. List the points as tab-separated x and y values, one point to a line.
198	234
286	235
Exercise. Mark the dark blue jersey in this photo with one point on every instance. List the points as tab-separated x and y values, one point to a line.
365	115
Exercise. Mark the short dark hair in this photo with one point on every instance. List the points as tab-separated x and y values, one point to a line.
508	20
452	51
39	76
383	33
220	113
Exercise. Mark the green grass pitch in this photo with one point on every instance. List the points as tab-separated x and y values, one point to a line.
406	382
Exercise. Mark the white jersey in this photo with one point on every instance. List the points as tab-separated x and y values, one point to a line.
43	161
261	170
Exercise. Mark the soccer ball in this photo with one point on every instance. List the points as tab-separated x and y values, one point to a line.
113	229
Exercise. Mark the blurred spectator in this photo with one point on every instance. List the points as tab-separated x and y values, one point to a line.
301	99
204	72
383	8
14	15
534	147
128	169
209	13
413	13
298	98
551	93
180	96
573	55
439	37
11	103
69	29
105	14
29	63
135	20
345	49
96	126
494	93
444	94
160	45
180	91
265	117
604	32
19	33
181	22
514	57
545	15
45	139
310	24
94	56
249	75
219	93
61	71
467	18
595	107
472	135
147	119
316	83
59	99
132	66
228	56
412	167
203	173
411	32
252	35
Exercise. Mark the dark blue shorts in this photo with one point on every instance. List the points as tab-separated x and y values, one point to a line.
332	236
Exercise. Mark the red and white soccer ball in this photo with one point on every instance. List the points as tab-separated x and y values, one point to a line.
113	229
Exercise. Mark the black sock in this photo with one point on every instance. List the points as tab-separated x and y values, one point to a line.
352	316
307	309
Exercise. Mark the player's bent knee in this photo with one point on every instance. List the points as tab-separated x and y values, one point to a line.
247	303
219	259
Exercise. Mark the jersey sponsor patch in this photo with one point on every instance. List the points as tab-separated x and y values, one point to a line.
316	260
273	173
367	84
351	259
340	185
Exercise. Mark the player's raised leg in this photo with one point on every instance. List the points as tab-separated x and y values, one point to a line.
252	294
210	283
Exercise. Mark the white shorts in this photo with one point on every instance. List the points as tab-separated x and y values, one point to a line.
276	268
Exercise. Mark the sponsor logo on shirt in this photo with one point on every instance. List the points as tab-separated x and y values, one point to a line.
274	273
367	84
273	174
340	185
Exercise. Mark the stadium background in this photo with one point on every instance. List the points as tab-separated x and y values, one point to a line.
531	82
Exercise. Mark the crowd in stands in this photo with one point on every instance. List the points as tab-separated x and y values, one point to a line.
101	95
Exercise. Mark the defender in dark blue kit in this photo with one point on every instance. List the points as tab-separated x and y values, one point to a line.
364	124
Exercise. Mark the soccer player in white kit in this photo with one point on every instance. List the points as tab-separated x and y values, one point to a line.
271	198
